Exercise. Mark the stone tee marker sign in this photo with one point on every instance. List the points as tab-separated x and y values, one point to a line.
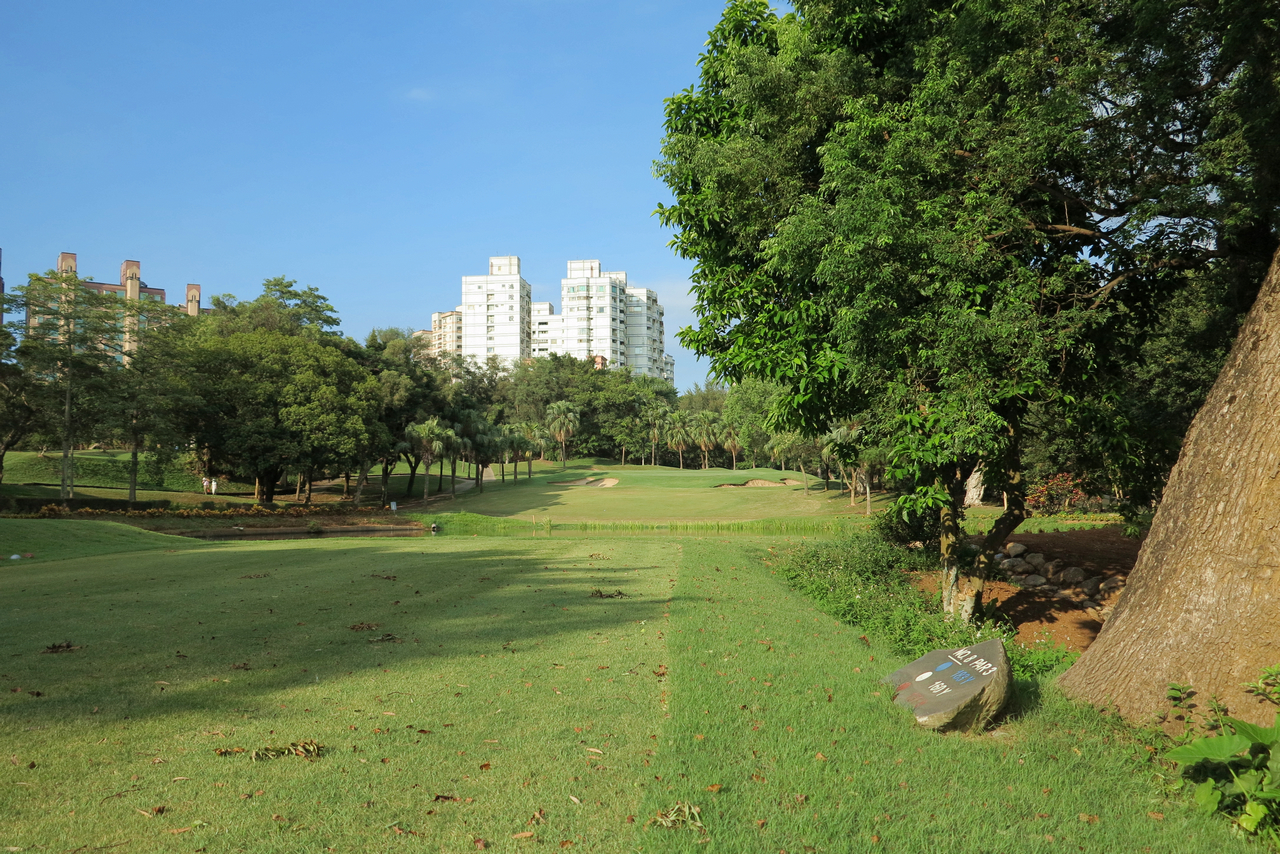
954	689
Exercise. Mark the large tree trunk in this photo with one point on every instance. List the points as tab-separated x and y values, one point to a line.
414	462
267	484
1201	604
133	472
361	480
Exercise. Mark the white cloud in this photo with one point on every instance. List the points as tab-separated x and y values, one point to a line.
420	94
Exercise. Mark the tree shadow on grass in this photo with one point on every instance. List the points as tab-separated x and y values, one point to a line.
159	632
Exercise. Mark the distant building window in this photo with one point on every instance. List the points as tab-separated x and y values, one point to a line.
489	350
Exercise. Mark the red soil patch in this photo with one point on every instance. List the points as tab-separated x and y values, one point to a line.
1102	552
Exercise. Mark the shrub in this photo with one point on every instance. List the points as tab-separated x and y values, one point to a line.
900	530
865	581
1055	494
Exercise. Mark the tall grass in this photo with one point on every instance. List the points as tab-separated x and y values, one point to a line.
865	581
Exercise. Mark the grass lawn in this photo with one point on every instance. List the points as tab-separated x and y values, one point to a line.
512	693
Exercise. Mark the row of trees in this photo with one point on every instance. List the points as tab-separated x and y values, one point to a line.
267	391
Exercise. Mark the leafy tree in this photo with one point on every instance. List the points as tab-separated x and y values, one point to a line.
937	216
72	341
281	308
749	404
704	398
24	405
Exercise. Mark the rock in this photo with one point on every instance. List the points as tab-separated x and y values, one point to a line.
999	558
1034	581
1071	575
1013	564
1090	586
1064	594
1089	604
1036	560
954	689
1015	550
1111	584
1051	569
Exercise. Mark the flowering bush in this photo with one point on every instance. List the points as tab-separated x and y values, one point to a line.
1055	494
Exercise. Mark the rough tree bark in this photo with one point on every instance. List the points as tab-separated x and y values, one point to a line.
1202	604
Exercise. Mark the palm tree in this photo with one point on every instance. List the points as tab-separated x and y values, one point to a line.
706	433
519	447
656	417
732	441
429	437
679	433
563	422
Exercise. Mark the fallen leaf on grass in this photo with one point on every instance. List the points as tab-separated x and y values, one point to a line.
448	798
593	750
1158	816
575	800
364	627
65	646
566	843
528	834
481	843
680	814
759	778
714	787
175	831
485	766
1091	819
820	757
537	818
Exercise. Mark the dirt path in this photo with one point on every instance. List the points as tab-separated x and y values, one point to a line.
1101	552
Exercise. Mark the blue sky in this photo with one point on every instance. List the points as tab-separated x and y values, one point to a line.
376	150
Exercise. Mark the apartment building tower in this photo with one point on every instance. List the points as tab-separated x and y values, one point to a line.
496	312
445	335
646	351
602	319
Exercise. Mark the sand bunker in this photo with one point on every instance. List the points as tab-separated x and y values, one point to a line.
756	482
588	481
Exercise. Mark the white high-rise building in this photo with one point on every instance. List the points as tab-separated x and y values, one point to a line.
603	319
496	312
646	351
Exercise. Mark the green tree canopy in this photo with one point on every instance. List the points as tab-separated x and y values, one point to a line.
934	216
